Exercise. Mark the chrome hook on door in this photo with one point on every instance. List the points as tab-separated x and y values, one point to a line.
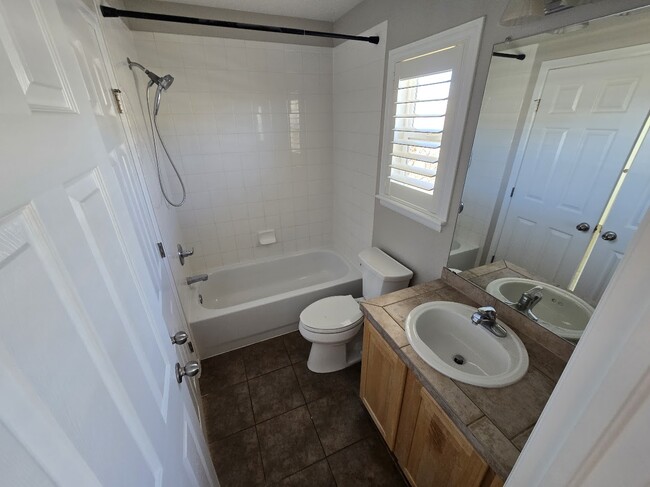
609	236
583	227
183	253
190	370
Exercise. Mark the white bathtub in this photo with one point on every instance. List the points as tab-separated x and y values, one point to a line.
463	255
246	303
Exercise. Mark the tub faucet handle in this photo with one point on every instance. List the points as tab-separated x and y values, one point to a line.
184	253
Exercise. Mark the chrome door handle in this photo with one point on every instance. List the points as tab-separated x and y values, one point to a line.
190	370
179	338
609	236
583	227
184	253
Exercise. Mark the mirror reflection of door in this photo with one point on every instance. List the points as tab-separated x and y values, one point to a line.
630	205
589	113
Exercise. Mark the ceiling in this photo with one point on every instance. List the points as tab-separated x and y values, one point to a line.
326	10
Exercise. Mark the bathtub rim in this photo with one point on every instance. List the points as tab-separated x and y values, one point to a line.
464	246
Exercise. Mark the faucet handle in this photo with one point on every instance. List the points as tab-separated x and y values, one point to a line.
488	311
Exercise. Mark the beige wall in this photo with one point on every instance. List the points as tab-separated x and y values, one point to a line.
423	250
171	8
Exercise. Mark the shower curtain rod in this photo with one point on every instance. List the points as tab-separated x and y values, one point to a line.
115	12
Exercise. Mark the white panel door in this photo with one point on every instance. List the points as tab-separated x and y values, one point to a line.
588	117
89	395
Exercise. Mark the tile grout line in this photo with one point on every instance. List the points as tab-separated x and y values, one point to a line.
311	419
259	446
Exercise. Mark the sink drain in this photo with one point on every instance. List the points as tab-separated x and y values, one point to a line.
459	359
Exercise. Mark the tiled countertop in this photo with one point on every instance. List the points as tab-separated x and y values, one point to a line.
496	421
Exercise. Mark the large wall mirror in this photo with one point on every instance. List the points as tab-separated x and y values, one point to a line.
560	172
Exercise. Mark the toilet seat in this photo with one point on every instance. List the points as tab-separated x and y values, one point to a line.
335	314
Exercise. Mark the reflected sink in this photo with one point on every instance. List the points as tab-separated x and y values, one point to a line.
560	311
442	333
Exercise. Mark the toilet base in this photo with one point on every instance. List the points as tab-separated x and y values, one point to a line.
331	357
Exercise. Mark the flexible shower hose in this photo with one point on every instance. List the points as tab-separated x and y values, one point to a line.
154	132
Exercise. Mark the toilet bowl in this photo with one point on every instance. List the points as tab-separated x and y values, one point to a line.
333	324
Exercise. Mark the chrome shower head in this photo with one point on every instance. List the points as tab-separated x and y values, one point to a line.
165	82
163	85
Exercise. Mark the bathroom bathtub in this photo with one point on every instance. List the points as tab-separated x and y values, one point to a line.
246	303
463	255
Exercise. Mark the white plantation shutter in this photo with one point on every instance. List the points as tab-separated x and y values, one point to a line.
429	85
421	92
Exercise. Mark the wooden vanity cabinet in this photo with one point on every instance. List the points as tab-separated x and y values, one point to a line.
383	375
429	447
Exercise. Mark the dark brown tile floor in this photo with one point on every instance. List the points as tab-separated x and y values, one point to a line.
271	421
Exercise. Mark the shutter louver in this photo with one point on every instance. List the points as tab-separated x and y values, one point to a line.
420	110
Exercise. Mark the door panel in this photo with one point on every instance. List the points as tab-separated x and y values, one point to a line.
583	130
25	34
127	179
66	367
109	260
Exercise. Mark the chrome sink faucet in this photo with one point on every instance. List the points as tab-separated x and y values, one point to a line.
198	278
486	316
528	300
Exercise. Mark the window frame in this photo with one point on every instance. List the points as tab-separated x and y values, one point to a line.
467	38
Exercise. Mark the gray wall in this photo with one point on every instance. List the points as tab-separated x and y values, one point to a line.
225	14
424	250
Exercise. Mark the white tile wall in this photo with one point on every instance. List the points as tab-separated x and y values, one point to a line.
250	125
357	86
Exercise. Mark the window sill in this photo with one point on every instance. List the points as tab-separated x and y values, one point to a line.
429	220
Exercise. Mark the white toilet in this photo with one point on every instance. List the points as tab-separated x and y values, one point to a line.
333	324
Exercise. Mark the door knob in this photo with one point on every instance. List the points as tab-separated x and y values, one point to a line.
184	253
179	338
609	236
190	370
583	227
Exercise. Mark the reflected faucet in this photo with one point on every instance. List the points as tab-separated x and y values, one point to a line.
528	300
486	316
198	278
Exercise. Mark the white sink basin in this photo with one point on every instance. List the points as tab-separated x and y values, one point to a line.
442	333
560	311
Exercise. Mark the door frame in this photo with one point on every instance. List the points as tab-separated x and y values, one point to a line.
540	83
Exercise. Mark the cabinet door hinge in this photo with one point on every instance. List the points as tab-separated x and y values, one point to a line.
512	191
117	96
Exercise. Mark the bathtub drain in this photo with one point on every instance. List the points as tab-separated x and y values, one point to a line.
459	359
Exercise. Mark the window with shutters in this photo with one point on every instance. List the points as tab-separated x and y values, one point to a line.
428	90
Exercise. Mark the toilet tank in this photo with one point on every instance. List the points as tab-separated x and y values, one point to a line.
381	273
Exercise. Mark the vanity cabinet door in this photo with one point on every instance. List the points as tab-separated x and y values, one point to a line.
383	376
430	448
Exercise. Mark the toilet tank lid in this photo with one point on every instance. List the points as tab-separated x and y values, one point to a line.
384	265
